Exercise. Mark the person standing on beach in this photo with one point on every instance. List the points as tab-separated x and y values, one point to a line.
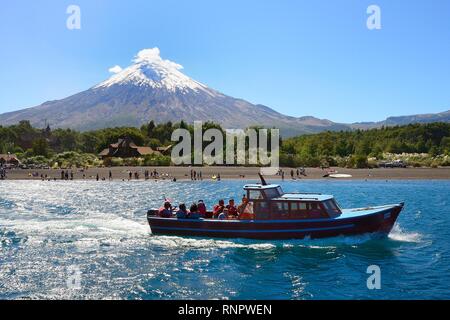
110	175
98	177
62	175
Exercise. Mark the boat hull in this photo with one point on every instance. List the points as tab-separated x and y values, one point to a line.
380	221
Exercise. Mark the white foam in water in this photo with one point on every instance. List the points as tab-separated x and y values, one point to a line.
206	244
398	234
92	225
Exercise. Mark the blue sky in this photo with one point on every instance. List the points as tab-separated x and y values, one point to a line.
299	57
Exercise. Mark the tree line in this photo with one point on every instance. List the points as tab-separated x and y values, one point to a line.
326	148
359	145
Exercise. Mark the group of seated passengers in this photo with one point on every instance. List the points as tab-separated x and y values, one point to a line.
220	210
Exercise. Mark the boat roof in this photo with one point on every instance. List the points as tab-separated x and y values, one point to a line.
290	196
305	197
256	186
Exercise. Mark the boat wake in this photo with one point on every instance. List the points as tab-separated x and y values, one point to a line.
397	234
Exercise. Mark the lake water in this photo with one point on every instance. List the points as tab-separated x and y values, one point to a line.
83	240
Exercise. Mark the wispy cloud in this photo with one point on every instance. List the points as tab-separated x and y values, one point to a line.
115	69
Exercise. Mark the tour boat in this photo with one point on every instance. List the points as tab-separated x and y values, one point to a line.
279	215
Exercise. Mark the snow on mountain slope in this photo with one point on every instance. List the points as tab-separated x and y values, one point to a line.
149	69
155	89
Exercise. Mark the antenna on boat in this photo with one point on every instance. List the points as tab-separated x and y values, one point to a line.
263	181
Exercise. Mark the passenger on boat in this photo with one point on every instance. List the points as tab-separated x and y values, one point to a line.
166	210
202	209
194	213
218	208
245	210
182	212
231	210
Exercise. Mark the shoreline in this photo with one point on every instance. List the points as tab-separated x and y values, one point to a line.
230	173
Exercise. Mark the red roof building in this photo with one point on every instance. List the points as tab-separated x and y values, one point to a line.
126	148
10	159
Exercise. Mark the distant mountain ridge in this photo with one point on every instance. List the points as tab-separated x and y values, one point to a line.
152	88
404	120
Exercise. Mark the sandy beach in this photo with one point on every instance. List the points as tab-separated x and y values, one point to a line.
247	173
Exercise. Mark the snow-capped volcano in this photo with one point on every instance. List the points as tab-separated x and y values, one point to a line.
152	88
150	70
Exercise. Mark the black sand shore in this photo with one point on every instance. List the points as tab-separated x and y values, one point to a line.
247	173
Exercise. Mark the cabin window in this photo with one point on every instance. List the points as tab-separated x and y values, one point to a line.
299	210
315	211
272	193
255	195
262	209
280	209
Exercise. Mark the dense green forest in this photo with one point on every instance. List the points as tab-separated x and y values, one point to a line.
70	147
346	148
355	148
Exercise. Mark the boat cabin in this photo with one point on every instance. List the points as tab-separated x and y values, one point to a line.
270	202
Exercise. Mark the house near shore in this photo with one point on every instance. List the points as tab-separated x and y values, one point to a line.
126	148
165	150
9	159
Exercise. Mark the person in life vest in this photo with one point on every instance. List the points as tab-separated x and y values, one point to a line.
166	210
218	208
245	210
232	212
202	209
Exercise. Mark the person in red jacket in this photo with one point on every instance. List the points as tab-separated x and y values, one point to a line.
231	209
218	208
202	209
166	210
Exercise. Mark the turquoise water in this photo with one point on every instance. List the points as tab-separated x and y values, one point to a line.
49	229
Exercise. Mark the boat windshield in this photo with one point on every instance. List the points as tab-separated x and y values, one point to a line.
333	209
273	193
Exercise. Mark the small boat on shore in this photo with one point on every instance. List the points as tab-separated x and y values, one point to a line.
278	215
340	176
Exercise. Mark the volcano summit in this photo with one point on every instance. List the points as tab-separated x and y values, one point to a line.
153	88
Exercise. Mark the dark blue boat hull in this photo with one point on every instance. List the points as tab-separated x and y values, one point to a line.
380	222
